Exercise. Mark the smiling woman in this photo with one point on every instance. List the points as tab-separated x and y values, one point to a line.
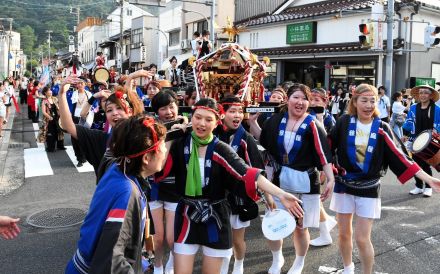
202	213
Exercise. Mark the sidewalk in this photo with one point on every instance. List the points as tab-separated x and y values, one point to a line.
11	155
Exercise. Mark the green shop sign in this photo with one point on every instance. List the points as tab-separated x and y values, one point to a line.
418	81
301	33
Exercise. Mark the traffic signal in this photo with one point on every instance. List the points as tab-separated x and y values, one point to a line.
366	39
430	32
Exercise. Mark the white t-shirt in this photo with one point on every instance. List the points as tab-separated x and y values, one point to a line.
289	139
202	170
383	105
398	107
361	141
335	105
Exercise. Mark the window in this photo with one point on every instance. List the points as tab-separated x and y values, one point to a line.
136	38
174	37
200	26
129	12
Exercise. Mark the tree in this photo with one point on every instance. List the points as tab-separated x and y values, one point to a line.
28	38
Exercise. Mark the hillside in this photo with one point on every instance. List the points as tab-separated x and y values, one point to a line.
33	17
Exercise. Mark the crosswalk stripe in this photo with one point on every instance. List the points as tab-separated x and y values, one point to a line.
36	162
85	168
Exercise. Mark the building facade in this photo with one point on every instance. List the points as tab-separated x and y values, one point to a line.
12	59
317	42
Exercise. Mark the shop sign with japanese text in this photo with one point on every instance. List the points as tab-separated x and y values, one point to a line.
301	33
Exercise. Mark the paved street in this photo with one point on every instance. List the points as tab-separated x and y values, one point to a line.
406	239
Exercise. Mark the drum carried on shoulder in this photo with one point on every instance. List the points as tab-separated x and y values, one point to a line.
101	74
427	147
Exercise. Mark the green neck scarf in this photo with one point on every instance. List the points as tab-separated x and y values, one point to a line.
194	178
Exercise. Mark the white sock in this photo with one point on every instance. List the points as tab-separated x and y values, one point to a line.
170	263
277	261
158	270
225	265
238	267
323	230
297	266
277	255
349	269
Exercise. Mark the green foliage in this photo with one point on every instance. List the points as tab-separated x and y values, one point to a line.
33	17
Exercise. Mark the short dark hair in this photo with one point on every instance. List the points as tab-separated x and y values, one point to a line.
189	90
163	98
229	99
207	102
396	95
382	87
45	90
196	33
172	59
152	66
131	136
205	32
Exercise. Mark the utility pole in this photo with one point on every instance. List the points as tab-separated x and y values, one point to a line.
9	41
49	32
121	32
212	22
31	65
390	48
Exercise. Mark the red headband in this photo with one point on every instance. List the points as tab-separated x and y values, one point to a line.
148	123
315	93
123	98
368	93
232	104
217	113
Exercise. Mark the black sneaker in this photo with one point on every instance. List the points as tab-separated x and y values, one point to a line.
61	148
80	164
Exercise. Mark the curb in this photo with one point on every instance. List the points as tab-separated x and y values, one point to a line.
11	160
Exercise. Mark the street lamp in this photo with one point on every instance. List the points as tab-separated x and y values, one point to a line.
164	34
199	13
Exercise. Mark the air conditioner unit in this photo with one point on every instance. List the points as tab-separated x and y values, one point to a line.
185	44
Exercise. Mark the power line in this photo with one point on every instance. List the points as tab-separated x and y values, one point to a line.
59	5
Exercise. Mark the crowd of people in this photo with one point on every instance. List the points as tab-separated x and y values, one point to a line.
160	192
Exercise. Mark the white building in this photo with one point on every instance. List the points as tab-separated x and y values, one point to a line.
90	33
13	57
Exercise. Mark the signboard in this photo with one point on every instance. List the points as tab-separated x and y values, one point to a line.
418	81
143	54
301	33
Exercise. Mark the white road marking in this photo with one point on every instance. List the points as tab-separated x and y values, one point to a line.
85	168
36	129
403	250
431	240
409	209
327	269
409	225
36	162
423	233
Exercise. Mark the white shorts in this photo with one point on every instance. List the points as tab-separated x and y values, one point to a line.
361	206
191	249
167	205
236	223
311	206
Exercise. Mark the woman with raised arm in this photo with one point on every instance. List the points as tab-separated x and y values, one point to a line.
119	105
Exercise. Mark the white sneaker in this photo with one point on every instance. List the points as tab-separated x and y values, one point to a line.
427	192
275	268
321	241
416	191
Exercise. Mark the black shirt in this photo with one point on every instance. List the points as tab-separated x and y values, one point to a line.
93	143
